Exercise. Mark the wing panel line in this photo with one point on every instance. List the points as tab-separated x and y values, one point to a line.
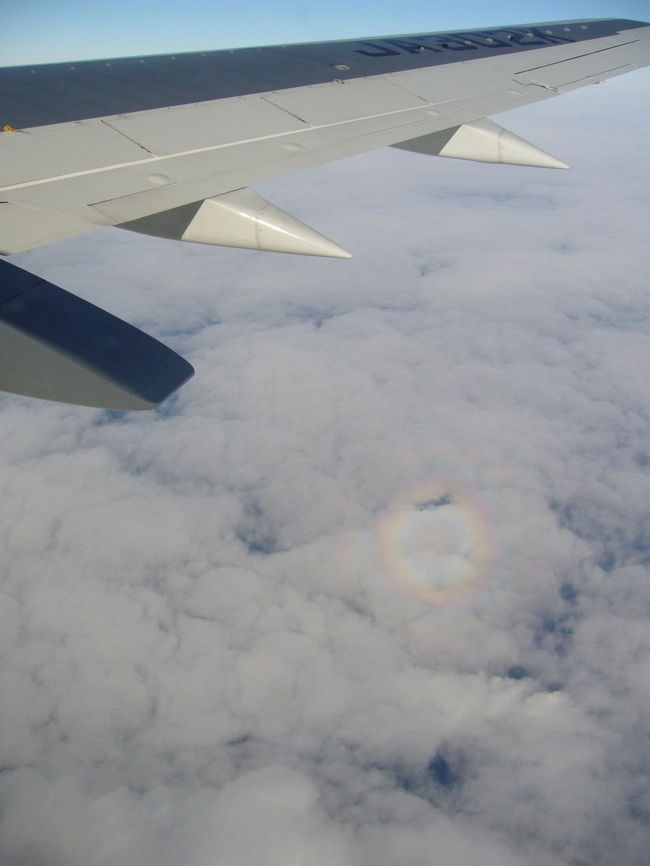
579	56
163	157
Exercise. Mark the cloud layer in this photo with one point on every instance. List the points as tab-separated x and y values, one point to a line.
373	588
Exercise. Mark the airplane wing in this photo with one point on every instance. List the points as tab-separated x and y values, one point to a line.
170	146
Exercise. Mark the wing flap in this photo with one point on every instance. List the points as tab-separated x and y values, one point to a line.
209	124
22	228
35	154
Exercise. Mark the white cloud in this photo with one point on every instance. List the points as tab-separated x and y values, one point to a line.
219	644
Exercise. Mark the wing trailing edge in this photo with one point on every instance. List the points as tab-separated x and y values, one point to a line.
482	141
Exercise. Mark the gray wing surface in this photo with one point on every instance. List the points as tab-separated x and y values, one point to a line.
170	145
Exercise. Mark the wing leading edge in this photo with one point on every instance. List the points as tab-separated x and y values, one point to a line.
170	146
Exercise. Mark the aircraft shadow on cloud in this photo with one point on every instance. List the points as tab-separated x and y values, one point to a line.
170	145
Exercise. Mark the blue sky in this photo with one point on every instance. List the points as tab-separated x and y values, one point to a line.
41	31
